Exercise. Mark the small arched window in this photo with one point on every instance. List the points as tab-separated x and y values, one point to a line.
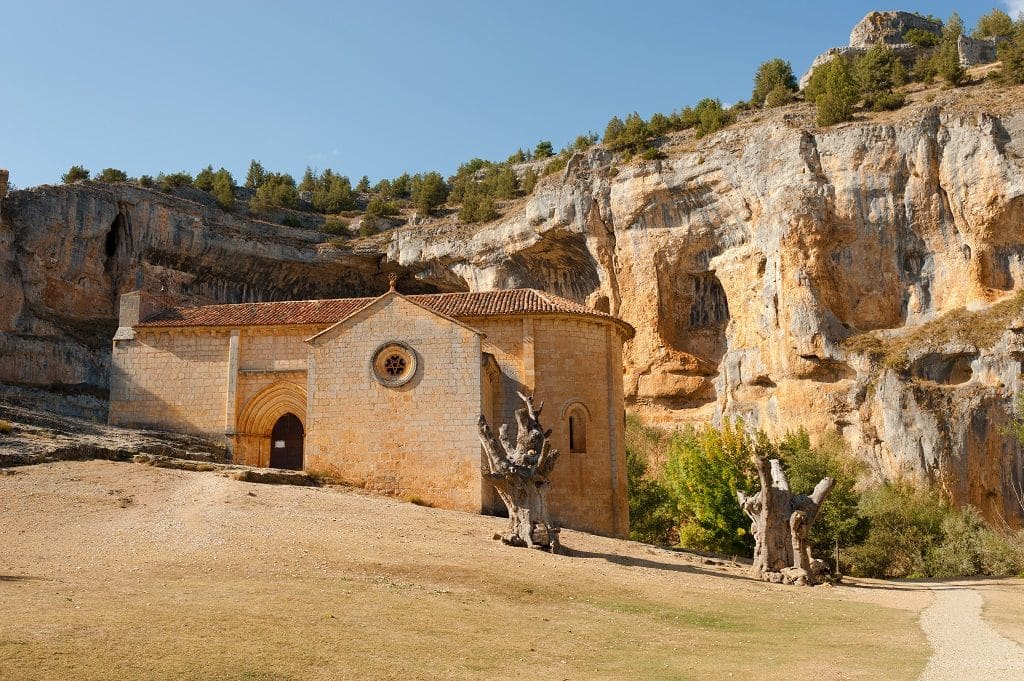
577	431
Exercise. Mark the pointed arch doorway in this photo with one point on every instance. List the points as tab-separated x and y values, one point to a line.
286	442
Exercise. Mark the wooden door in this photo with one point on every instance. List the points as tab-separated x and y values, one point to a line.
286	440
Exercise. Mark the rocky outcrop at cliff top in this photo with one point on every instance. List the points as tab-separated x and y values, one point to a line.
859	278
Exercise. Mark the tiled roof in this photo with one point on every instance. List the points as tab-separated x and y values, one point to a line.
316	312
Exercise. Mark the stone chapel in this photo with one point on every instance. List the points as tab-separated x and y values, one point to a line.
385	392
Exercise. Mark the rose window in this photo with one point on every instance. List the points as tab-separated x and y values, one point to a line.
394	364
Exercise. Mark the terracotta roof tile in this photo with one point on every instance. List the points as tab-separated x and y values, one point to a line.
316	312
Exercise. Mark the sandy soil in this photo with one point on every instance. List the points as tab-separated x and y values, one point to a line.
129	571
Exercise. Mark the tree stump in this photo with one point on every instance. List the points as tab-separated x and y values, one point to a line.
520	473
780	523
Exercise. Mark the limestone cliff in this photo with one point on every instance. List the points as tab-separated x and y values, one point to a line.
845	278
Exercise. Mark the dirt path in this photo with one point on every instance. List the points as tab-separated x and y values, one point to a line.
965	646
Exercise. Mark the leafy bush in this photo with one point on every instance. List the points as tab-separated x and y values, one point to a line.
529	181
276	190
147	181
711	117
112	175
74	174
543	150
331	192
838	520
651	510
878	73
704	470
1011	54
368	226
223	188
945	63
170	181
771	75
291	221
919	37
381	206
834	90
557	164
363	186
477	206
996	23
779	96
334	225
204	179
256	176
428	192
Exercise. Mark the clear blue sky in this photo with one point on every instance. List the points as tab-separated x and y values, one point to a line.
372	88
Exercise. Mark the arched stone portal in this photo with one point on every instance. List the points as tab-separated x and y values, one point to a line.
258	418
286	441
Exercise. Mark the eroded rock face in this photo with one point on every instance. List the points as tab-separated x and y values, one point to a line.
889	28
745	262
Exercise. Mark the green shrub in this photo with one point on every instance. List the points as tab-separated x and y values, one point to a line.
877	74
839	519
543	150
834	91
905	523
74	174
651	154
170	181
704	470
256	175
147	181
291	221
779	96
996	23
556	165
381	206
112	175
919	37
711	117
331	192
276	190
368	226
335	225
771	75
651	510
529	181
1011	54
477	206
204	179
223	188
429	191
945	63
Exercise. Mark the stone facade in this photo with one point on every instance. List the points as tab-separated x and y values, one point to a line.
230	373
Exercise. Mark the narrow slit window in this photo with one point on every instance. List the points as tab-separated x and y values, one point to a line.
577	433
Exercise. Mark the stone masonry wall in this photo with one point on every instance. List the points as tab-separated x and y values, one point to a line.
171	381
418	439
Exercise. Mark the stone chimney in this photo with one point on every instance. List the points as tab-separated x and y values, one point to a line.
133	307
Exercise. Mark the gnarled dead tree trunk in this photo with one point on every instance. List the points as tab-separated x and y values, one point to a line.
520	475
780	523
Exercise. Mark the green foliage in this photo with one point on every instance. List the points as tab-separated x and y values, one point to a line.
543	150
778	96
223	188
256	176
915	533
945	63
557	164
477	206
276	190
331	192
613	131
381	206
308	182
147	181
429	191
919	37
704	470
771	75
996	23
1011	54
834	90
364	185
204	179
529	181
878	73
519	156
335	226
711	117
368	226
583	142
805	466
74	174
291	221
651	509
170	181
111	175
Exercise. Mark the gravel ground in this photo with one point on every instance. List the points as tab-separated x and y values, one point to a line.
965	646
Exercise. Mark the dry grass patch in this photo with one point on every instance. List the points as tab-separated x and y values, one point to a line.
1004	607
200	578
